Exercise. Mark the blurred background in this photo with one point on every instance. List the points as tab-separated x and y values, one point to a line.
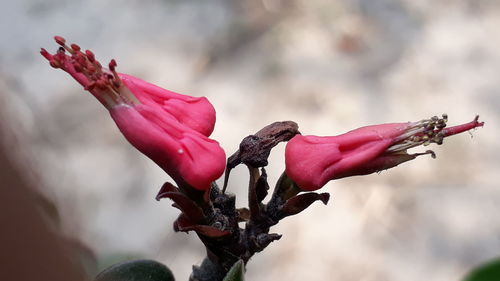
330	66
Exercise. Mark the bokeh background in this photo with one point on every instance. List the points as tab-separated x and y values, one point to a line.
331	66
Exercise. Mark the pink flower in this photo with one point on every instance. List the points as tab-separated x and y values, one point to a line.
312	161
170	128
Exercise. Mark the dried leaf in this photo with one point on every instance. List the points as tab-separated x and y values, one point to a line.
166	187
184	224
300	202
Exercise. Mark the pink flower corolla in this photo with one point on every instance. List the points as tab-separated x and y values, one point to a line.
194	112
312	161
170	128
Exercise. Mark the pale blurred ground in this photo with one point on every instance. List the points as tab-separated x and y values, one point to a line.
331	66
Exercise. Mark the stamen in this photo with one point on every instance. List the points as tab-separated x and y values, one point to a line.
429	131
433	155
104	84
97	65
45	54
112	66
60	40
90	55
75	47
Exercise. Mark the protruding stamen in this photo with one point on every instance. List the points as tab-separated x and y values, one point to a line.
429	131
90	55
60	40
433	155
112	66
45	54
105	85
75	47
97	64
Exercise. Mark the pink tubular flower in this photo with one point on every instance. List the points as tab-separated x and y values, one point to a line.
312	161
170	128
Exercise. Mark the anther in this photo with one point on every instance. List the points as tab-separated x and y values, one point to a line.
433	155
60	40
90	55
112	68
441	124
75	47
80	59
97	64
45	54
112	65
429	126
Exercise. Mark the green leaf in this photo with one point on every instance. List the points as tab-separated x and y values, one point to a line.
489	271
236	273
137	270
